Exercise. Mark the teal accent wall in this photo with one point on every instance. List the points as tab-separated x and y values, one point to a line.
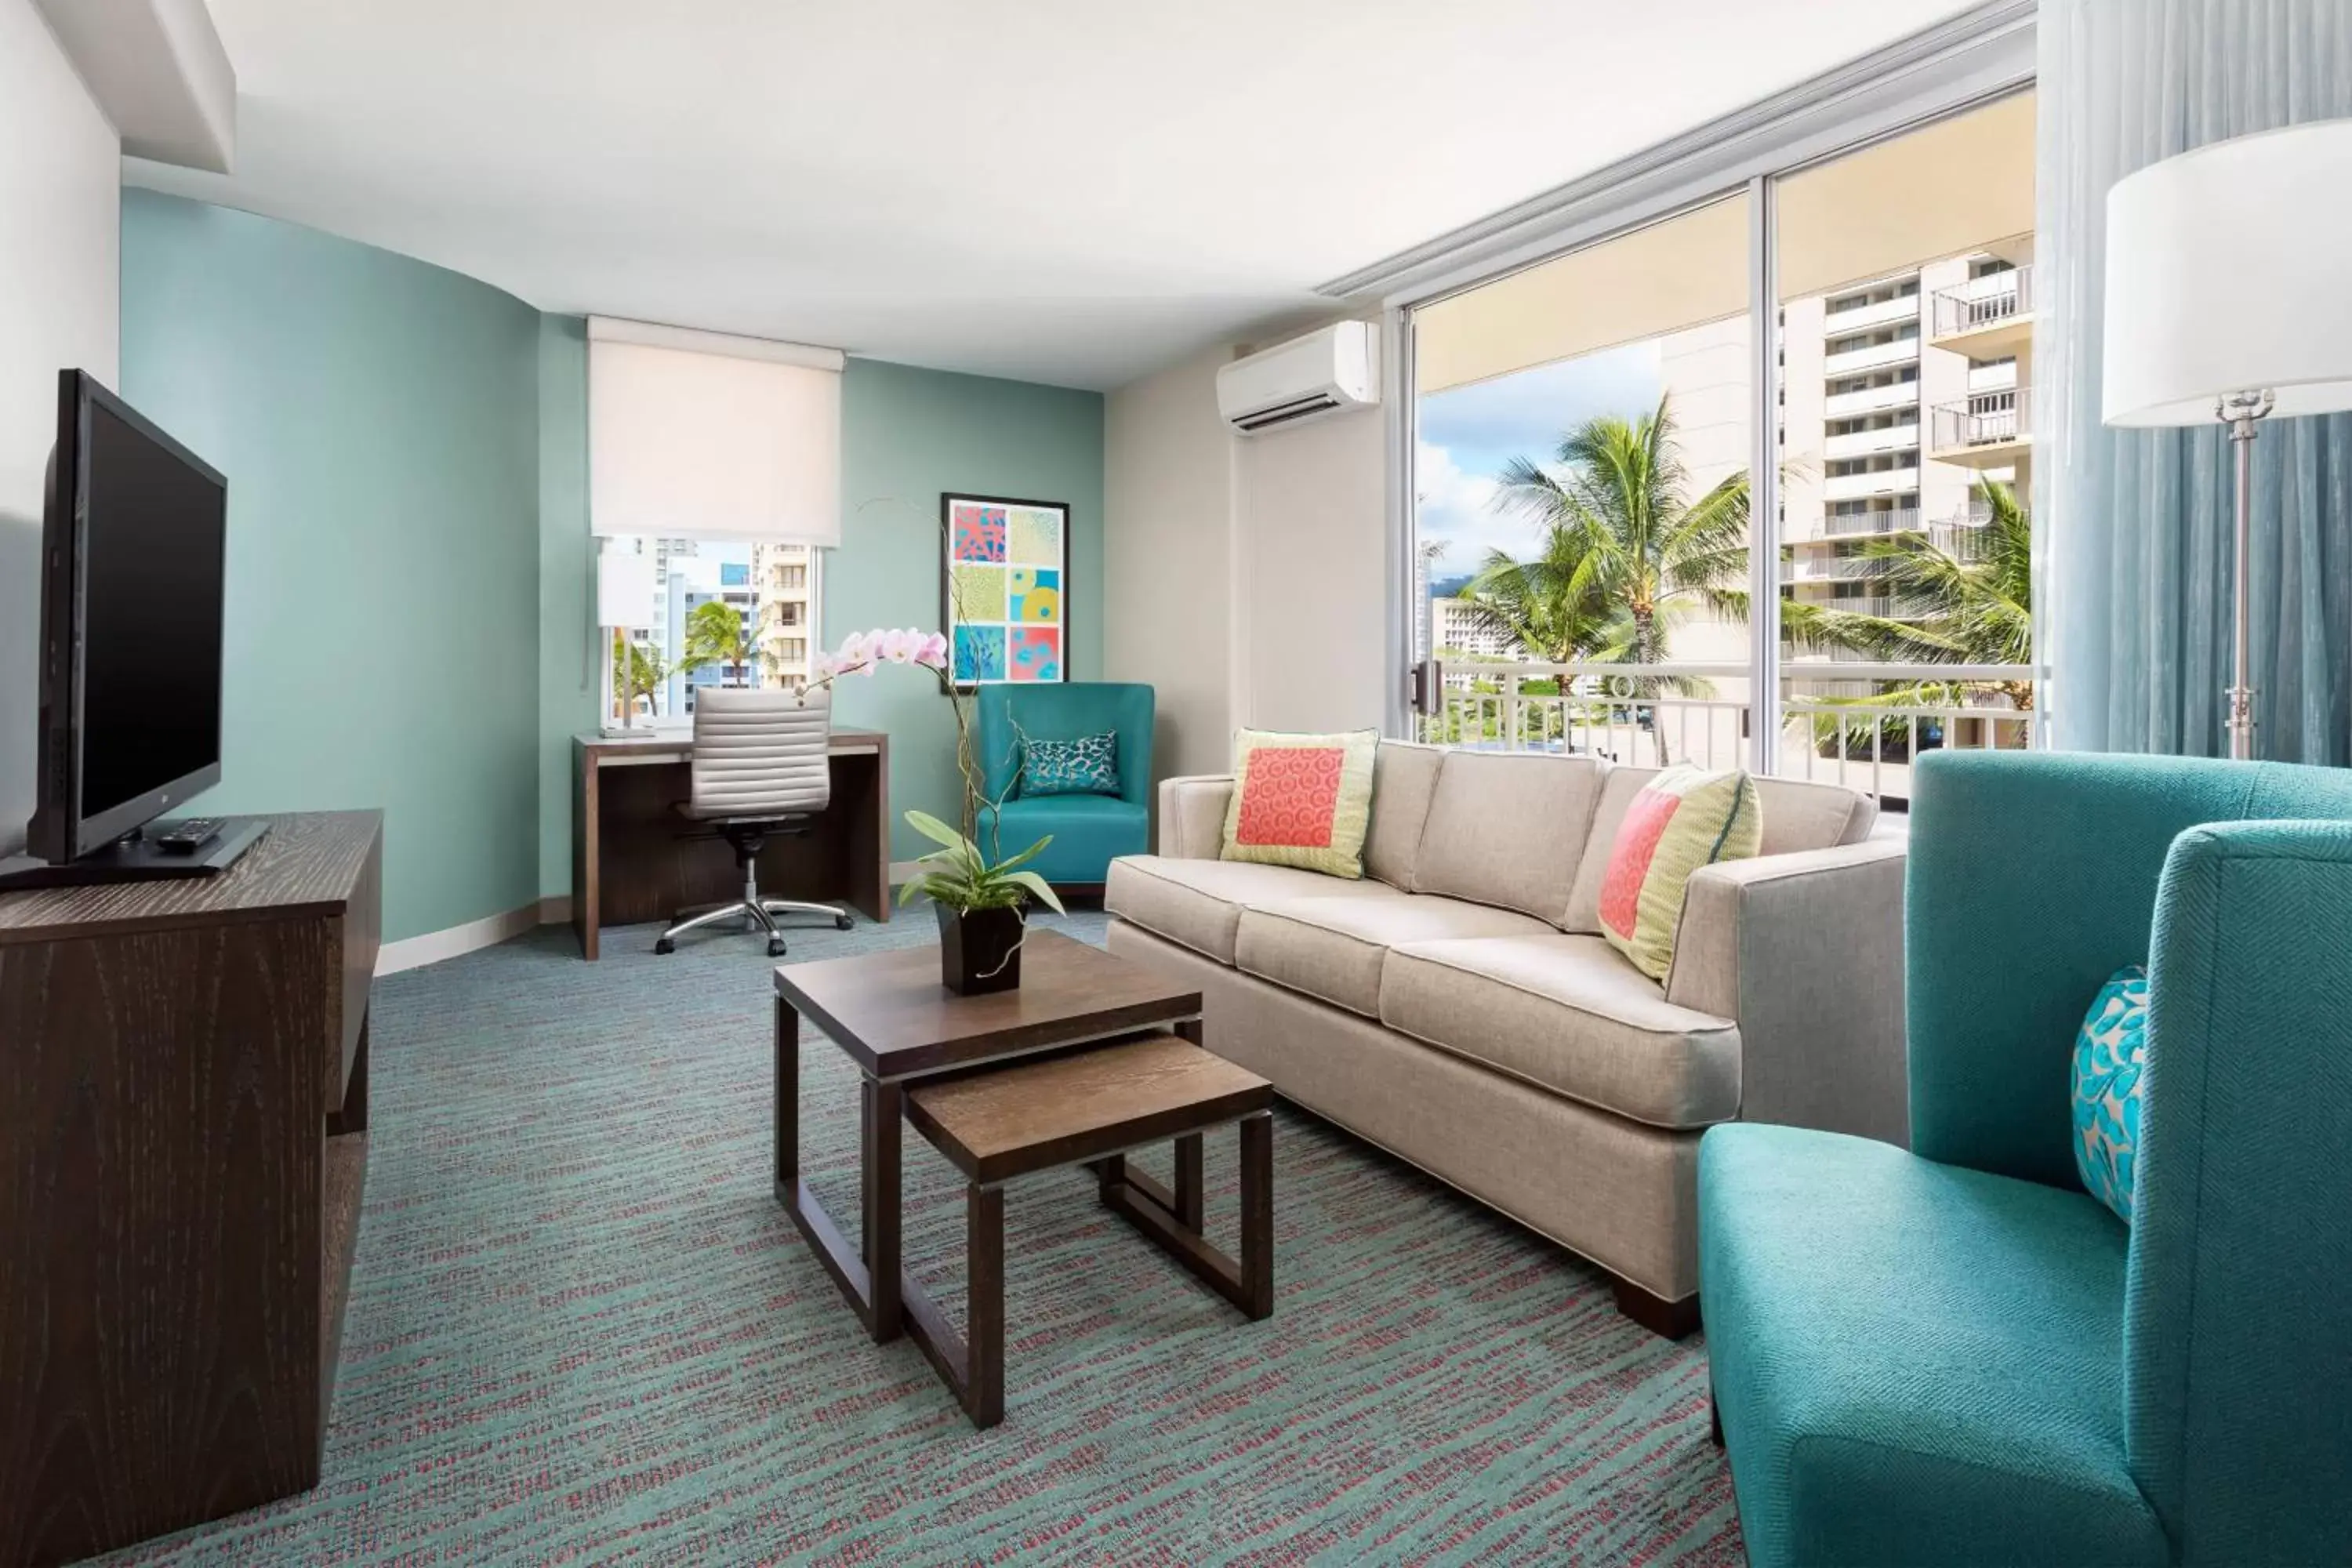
907	435
378	419
569	679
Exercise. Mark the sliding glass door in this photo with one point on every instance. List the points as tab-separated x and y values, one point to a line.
1584	430
1596	567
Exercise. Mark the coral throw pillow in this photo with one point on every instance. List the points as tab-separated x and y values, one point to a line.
2108	1062
1682	820
1301	800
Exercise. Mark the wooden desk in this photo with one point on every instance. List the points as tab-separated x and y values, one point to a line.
183	1144
630	861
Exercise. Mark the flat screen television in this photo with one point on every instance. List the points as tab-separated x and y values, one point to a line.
133	540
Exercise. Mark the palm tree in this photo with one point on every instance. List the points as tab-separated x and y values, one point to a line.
1973	606
639	673
714	635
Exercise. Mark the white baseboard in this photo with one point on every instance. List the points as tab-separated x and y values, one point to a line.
903	871
413	953
556	910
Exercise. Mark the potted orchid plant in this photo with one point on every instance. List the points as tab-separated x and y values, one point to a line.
980	896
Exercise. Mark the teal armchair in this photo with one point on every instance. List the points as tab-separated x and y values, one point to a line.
1955	1354
1089	831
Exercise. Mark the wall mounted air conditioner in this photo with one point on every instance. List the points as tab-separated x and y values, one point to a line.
1325	371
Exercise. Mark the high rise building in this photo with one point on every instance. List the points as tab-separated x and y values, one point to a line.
1901	393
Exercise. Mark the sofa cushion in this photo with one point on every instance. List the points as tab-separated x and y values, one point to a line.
1570	1014
1405	777
1199	903
1913	1362
1332	949
1797	815
1508	829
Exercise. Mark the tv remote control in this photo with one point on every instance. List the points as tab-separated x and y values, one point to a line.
188	835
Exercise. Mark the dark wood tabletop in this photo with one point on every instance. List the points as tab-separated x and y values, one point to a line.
890	1014
1065	1110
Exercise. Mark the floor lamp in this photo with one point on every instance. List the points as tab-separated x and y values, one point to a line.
2226	299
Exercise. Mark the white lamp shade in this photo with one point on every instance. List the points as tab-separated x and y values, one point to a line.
697	434
2226	271
624	589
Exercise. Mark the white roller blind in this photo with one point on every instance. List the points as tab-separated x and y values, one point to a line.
1683	272
698	435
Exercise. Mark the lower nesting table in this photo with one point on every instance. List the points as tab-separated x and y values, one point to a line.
1090	1109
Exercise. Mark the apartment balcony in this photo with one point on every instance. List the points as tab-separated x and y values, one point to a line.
1872	400
1876	356
1989	317
1870	443
1862	318
1828	725
1879	482
1985	430
1893	519
1830	569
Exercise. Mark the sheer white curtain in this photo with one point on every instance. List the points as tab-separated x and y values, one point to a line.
2137	523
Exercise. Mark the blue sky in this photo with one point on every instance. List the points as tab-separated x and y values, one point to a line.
1468	432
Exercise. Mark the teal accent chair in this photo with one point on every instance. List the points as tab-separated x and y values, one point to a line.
1955	1354
1089	831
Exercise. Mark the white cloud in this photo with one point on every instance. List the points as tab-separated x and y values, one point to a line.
1457	509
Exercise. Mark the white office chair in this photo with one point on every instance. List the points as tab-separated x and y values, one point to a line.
760	770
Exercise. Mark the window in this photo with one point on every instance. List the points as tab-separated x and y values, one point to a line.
1641	346
760	589
1895	392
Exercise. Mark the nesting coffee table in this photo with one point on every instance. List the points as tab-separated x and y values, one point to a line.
1078	1066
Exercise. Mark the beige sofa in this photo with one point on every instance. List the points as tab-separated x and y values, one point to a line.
1459	1008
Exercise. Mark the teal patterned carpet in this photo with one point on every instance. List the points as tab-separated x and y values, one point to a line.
582	1332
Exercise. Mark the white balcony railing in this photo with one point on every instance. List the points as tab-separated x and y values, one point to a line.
1892	519
1987	301
1851	722
1875	482
1829	568
1861	317
1870	356
1871	400
1867	443
1983	419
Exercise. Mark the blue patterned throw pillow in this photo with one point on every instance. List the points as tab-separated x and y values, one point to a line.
2109	1072
1085	766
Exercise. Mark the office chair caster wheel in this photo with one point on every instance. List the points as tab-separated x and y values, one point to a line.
775	947
841	922
665	945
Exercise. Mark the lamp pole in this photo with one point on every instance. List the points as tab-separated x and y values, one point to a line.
2241	410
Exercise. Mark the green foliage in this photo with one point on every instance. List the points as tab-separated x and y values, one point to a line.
961	878
638	671
714	635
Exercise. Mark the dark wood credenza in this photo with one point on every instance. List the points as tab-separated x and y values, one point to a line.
182	1145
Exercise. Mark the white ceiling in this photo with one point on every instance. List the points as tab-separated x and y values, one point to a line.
1068	191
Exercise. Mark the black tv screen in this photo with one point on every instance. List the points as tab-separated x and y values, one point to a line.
133	554
151	681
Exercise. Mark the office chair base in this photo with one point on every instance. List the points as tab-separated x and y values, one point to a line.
754	912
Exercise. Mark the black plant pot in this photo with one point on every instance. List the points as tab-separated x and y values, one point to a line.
980	949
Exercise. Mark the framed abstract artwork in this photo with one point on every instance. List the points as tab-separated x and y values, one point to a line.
1004	596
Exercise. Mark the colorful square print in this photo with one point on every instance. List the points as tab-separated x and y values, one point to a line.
979	592
980	653
1037	536
1037	654
1036	594
978	532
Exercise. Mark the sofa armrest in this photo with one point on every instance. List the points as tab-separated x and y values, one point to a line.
1192	815
1805	952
